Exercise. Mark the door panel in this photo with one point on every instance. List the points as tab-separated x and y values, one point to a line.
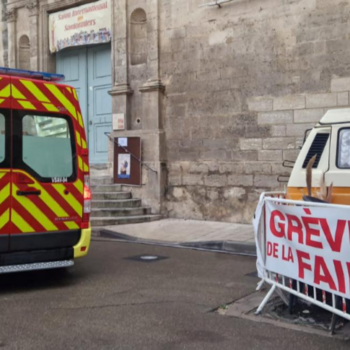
100	102
73	64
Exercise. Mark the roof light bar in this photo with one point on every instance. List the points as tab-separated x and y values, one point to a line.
31	74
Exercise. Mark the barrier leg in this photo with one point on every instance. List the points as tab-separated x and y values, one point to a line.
266	299
260	284
282	296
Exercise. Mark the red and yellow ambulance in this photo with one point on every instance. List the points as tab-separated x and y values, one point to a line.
45	199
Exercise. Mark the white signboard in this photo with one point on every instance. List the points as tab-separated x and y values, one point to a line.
83	25
310	244
118	121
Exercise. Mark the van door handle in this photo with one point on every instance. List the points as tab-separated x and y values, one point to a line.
29	193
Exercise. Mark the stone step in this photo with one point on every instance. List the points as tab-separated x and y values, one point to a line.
112	212
111	195
106	188
101	180
122	203
109	221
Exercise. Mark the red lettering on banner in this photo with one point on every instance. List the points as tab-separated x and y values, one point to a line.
336	242
275	250
269	248
311	232
288	257
301	264
325	277
340	276
298	228
281	225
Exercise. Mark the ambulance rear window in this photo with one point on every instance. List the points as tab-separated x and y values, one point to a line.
47	147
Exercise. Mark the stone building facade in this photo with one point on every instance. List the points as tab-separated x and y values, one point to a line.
220	96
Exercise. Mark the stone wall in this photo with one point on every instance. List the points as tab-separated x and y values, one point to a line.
243	83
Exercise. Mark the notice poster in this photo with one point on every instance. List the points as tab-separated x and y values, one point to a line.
310	244
83	25
123	166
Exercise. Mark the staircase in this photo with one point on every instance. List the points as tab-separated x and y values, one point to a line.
112	206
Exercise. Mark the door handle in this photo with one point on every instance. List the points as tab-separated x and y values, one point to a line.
29	193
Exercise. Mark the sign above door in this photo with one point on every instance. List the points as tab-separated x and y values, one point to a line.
83	25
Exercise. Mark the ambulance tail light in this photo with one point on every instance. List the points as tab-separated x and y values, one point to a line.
87	202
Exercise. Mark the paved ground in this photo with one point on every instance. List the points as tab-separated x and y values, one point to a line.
108	301
181	231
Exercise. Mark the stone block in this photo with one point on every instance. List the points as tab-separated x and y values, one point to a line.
260	104
266	155
257	168
298	129
340	84
215	180
321	100
209	75
343	99
291	155
199	168
258	131
266	181
289	102
240	180
279	169
278	117
244	155
192	180
277	143
215	155
250	144
308	115
231	168
278	130
234	192
174	180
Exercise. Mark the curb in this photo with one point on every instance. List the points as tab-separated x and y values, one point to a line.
230	247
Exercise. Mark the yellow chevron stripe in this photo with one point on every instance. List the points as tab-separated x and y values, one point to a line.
16	93
4	193
83	143
2	174
50	107
71	225
80	120
78	138
26	104
39	95
69	89
75	94
86	168
33	210
79	186
6	91
69	198
4	218
80	163
1	100
20	222
48	200
63	99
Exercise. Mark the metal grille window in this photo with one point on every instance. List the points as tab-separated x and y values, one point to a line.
317	147
344	149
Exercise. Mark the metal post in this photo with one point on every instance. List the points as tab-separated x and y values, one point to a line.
266	299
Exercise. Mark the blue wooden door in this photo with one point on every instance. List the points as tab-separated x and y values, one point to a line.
99	102
89	71
73	64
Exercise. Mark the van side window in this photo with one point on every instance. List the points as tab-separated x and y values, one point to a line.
47	148
2	138
344	149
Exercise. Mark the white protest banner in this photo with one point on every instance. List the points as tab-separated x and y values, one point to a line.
310	244
83	25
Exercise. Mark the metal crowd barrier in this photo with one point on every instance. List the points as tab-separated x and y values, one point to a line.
331	302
